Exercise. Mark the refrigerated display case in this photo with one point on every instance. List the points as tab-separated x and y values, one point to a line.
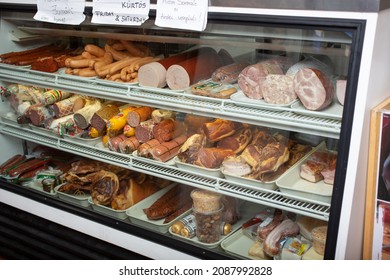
345	40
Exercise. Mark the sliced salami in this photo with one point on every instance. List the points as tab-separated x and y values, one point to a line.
313	88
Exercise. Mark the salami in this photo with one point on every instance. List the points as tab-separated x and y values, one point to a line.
144	131
65	106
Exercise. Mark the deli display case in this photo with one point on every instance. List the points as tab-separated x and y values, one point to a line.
240	113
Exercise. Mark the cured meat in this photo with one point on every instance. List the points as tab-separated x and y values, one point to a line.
167	150
164	131
190	71
65	106
154	74
102	116
158	115
105	187
45	64
114	142
252	77
144	131
52	96
212	157
236	166
236	142
269	224
319	162
341	86
83	116
278	89
38	114
228	73
188	152
314	89
11	162
141	114
145	148
287	228
219	129
129	145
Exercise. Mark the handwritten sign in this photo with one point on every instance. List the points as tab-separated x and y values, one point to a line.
61	11
182	14
123	12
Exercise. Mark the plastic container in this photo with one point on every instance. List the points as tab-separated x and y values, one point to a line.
319	237
208	225
206	201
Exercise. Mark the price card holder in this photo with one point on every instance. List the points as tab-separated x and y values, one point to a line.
121	12
190	14
61	11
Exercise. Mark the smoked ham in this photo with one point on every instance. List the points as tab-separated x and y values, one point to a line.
313	88
251	79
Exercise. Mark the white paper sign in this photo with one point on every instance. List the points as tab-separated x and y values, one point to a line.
182	14
61	11
124	12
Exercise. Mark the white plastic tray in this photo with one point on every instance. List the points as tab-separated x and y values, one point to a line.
291	183
87	141
238	245
247	211
81	200
240	98
137	215
120	214
152	161
334	111
250	182
215	172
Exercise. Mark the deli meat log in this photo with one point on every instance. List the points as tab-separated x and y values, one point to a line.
313	88
251	79
190	71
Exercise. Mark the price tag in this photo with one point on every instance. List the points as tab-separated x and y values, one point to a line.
182	14
61	11
123	12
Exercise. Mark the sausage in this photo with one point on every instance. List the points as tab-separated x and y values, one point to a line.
132	48
183	74
168	150
141	114
129	145
178	212
65	106
102	116
113	143
95	50
162	201
86	72
12	161
21	53
164	130
145	148
313	88
119	65
27	166
154	74
144	131
38	114
31	174
117	55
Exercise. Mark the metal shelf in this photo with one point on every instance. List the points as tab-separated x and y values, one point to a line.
282	118
275	198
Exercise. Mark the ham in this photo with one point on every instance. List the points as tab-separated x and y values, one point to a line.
252	77
313	88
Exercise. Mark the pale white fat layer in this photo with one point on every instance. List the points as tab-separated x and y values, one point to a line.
177	77
152	75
